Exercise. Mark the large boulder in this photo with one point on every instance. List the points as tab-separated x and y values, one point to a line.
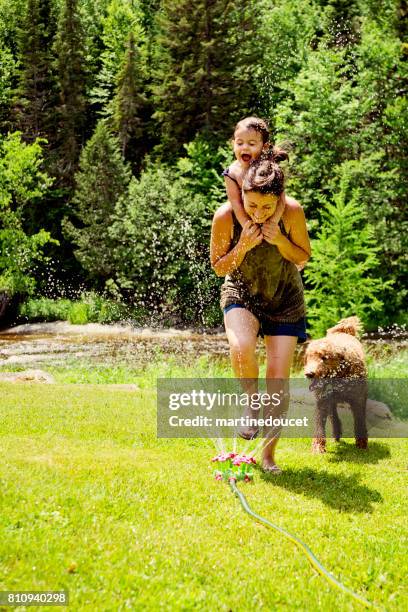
27	376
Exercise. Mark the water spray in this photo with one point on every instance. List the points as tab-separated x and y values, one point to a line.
234	467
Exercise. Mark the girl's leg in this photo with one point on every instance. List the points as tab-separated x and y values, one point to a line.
242	330
279	356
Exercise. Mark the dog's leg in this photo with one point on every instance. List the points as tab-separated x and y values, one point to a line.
318	446
336	423
322	411
359	414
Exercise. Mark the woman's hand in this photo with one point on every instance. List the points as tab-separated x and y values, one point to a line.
271	232
251	236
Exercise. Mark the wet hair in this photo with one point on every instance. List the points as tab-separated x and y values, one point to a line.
254	123
265	174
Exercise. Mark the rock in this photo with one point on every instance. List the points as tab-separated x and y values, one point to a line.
27	376
378	409
374	410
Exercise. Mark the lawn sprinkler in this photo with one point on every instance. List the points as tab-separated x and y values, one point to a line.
234	467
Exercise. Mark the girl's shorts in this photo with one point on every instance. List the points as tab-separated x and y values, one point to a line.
270	328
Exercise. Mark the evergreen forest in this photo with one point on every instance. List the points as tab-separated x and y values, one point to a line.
115	125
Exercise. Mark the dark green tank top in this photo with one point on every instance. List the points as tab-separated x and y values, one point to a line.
265	283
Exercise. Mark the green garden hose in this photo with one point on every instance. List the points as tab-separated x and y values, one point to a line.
315	562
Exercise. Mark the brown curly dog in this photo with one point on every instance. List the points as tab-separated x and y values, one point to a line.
336	366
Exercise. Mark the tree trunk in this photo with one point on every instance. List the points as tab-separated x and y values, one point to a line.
8	308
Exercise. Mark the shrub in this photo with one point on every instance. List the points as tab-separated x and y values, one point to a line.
78	313
162	230
102	310
91	308
21	182
45	309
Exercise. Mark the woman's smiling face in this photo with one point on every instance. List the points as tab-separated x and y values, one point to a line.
260	206
248	145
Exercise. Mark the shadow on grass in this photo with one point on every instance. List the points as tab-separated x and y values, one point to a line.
338	491
348	452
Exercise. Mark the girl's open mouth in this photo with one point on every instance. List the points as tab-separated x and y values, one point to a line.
246	157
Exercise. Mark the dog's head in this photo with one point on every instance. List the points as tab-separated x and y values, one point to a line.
325	359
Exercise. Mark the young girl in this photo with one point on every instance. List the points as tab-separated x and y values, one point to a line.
263	292
250	141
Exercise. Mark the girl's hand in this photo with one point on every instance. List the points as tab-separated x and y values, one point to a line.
271	232
251	236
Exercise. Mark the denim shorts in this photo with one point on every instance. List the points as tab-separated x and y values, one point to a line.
271	328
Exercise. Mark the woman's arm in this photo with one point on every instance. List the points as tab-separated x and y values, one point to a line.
223	260
296	248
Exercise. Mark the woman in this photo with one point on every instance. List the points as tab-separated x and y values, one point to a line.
263	292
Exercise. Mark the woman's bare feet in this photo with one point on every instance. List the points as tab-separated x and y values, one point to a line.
268	457
269	466
249	432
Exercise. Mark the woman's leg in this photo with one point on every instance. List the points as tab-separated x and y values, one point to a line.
242	330
279	357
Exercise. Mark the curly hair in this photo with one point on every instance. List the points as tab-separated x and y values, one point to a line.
265	174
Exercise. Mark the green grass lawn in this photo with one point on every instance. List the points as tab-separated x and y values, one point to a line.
93	502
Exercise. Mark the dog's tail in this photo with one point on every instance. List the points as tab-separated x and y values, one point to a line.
351	325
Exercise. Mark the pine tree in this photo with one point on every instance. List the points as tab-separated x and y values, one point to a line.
320	116
101	180
295	27
352	111
35	97
202	61
130	107
342	22
121	18
149	9
71	72
343	273
7	72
